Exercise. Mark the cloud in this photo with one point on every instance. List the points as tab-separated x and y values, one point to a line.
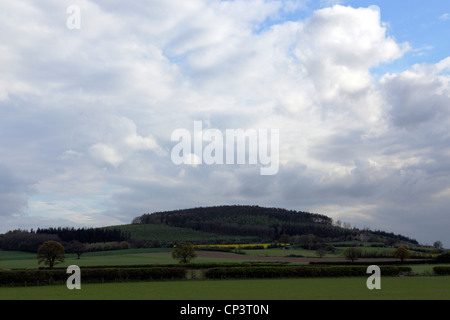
339	47
88	114
104	153
445	16
418	96
120	141
14	192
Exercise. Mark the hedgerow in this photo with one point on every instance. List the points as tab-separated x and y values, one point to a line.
211	271
442	270
39	277
297	271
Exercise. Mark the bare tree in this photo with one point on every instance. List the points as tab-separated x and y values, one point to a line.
352	253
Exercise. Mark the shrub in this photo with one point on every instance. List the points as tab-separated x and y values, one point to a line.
31	276
442	270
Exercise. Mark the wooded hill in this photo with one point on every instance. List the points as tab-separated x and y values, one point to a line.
268	224
203	225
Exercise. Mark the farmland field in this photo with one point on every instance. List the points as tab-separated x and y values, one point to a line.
423	286
164	233
24	260
392	288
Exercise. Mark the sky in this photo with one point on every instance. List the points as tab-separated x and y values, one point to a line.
91	93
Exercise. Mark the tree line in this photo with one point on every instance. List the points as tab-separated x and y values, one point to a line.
24	240
394	237
87	235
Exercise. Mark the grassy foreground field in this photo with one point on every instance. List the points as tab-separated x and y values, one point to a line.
392	288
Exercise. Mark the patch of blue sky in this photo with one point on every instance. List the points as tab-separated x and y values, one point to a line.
175	59
420	23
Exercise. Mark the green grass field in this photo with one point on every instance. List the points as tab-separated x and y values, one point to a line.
424	286
392	288
164	233
24	260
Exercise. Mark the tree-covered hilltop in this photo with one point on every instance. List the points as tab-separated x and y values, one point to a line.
233	213
268	224
265	223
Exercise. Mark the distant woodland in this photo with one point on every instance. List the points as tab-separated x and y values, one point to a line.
260	223
266	223
23	240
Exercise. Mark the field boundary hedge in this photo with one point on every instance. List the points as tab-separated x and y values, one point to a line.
95	275
43	277
298	271
442	270
378	263
204	265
